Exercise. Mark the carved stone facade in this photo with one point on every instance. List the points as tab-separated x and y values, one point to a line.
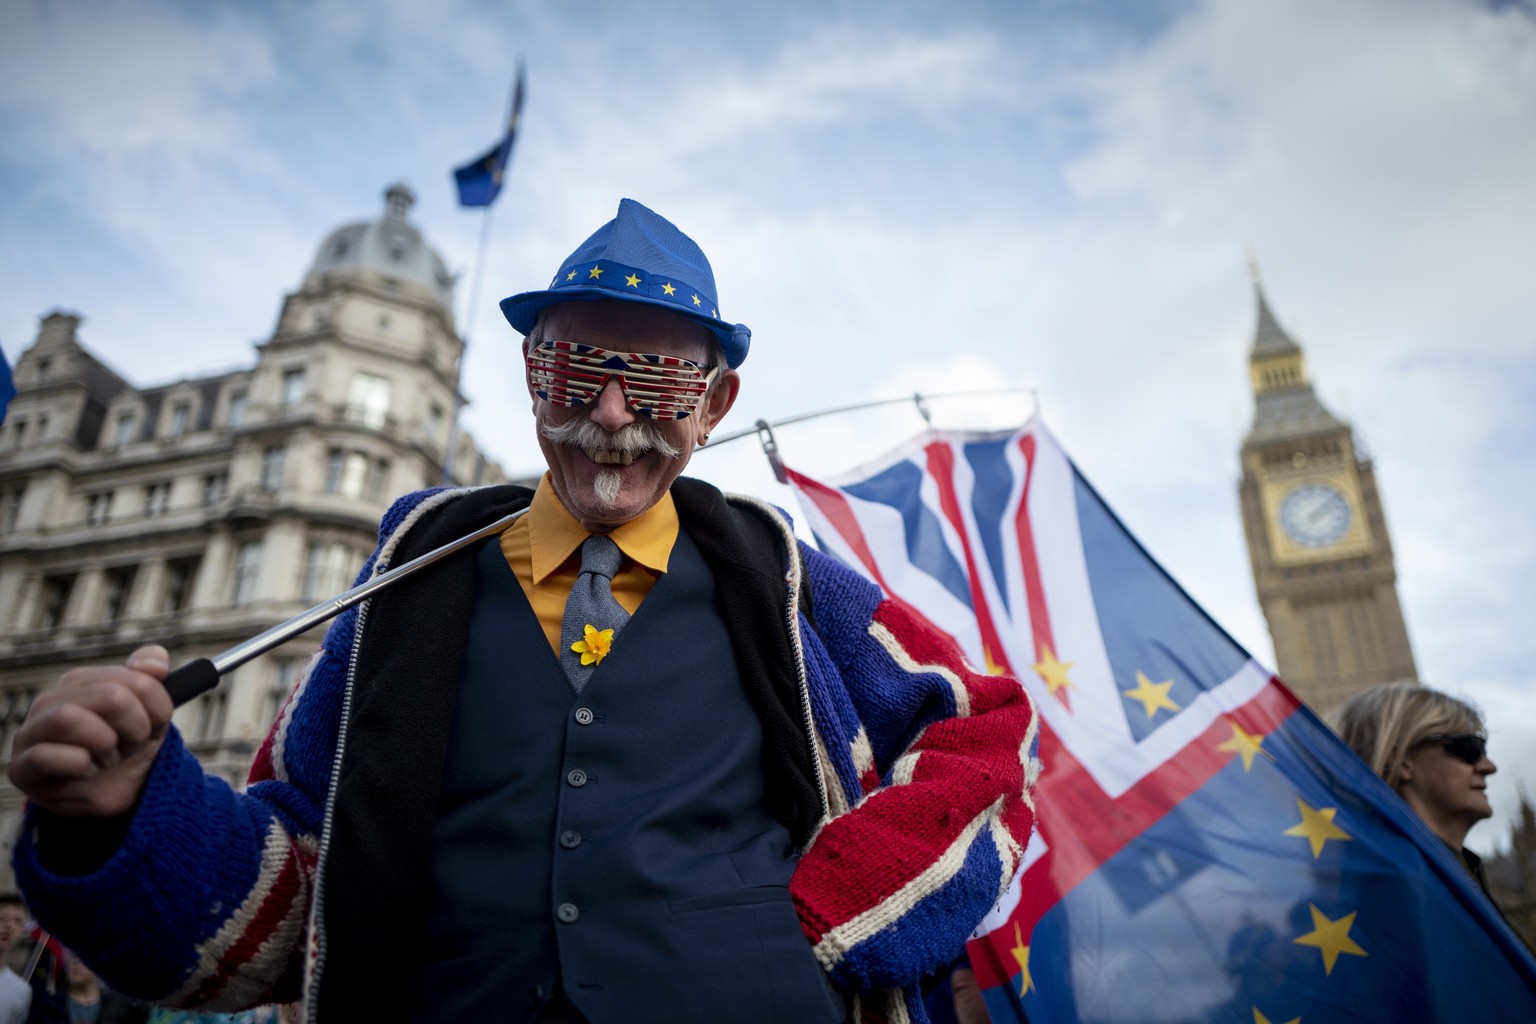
1317	535
199	513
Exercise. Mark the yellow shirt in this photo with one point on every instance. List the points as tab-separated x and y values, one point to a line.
544	550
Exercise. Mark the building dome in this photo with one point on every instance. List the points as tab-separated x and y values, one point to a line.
390	247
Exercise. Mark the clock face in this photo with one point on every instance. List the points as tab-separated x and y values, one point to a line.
1314	515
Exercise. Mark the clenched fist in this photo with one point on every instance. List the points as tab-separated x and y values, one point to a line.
88	744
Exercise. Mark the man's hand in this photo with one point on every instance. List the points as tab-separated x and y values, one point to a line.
88	744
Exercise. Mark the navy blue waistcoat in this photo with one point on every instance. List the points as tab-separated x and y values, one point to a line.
615	843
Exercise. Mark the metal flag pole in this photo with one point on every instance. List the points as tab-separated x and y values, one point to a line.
498	169
763	430
198	677
450	450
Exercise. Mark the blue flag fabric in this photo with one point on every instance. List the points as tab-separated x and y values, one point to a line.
1207	850
7	385
479	181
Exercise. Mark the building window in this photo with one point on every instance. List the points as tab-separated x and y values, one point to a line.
116	584
328	570
214	486
56	591
293	386
272	468
157	498
43	366
98	507
377	477
179	575
354	475
10	512
434	422
122	431
181	416
285	675
236	409
19	433
211	707
368	400
42	428
247	568
16	704
333	463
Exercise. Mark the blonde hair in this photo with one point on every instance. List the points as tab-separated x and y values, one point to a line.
1384	724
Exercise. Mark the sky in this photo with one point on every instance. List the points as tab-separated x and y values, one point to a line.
1059	198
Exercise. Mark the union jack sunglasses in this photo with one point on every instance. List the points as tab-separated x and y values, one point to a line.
570	374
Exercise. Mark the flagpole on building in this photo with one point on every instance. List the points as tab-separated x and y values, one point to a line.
479	183
450	450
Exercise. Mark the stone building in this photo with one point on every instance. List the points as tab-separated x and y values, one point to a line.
1317	534
199	513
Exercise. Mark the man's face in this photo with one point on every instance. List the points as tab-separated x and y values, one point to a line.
598	484
12	921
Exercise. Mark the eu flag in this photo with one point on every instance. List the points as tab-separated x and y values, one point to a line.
7	385
479	181
1207	850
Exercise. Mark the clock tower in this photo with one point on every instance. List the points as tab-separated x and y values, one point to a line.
1317	536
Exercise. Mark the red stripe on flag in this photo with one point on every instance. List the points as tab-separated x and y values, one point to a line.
941	468
834	506
1034	589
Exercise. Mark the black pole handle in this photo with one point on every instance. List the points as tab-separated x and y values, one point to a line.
190	680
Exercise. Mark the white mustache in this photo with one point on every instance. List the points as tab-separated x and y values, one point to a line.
623	446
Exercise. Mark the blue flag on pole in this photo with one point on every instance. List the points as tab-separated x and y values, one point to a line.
480	180
7	385
1207	850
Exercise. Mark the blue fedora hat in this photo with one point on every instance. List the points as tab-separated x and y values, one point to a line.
639	256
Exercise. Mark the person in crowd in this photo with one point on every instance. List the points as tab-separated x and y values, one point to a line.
87	1001
1432	749
641	756
15	993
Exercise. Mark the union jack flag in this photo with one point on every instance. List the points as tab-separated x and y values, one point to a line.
1207	850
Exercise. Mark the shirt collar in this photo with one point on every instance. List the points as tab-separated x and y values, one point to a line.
554	535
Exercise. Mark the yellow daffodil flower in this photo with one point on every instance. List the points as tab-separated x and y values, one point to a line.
594	647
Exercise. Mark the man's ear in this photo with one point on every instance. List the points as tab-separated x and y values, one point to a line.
720	400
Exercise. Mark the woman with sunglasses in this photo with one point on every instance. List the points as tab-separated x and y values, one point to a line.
1432	749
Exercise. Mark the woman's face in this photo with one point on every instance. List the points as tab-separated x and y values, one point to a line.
1448	791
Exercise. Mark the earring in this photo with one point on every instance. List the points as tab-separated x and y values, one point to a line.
704	439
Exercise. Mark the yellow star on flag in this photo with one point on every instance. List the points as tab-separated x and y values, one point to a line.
697	301
1331	937
596	271
1021	956
571	276
594	644
1052	671
667	289
1259	1018
1153	696
1317	827
633	280
1245	744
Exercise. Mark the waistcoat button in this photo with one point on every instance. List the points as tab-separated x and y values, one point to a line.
583	716
567	913
576	777
570	840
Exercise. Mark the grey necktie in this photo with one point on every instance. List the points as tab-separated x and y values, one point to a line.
591	604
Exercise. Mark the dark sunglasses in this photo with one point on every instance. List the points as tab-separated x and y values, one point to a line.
1463	746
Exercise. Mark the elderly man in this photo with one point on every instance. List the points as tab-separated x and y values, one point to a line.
642	757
